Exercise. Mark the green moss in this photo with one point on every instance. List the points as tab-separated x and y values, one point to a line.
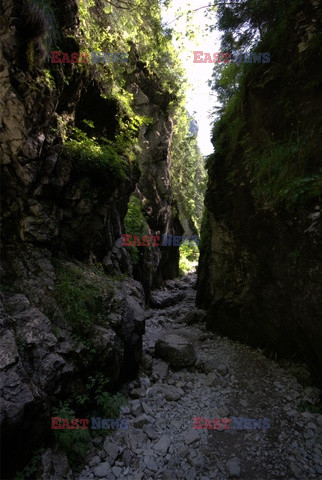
279	173
49	78
98	160
282	173
80	295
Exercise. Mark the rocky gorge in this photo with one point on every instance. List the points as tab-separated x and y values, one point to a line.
188	372
62	217
90	328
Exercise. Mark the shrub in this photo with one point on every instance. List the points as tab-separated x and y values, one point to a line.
75	443
80	299
189	254
31	469
96	398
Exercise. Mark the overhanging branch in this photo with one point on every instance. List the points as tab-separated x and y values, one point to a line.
200	8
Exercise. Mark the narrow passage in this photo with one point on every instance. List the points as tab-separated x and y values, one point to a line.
226	380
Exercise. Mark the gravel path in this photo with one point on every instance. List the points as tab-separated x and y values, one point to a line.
227	380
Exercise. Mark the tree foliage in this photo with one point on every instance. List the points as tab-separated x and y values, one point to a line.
187	170
280	168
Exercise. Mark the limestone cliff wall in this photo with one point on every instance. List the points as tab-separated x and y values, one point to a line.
260	266
60	218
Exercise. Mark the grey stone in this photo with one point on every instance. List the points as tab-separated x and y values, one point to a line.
94	461
16	304
233	467
112	450
137	393
191	474
150	463
176	350
141	421
222	369
150	431
147	409
296	470
196	459
160	369
190	437
127	457
311	395
136	407
209	365
103	470
163	300
173	393
145	382
137	476
182	450
168	475
117	471
125	410
55	465
212	380
162	445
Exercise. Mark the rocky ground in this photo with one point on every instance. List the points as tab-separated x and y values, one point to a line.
217	378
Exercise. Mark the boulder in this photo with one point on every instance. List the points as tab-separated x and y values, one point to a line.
176	350
165	299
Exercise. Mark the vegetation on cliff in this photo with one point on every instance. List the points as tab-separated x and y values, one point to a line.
258	272
117	27
277	156
188	172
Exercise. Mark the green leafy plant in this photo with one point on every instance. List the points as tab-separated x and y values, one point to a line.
279	172
98	400
189	254
31	469
308	407
81	299
294	255
108	405
49	79
7	288
188	174
74	442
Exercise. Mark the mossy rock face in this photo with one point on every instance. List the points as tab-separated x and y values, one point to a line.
257	273
88	343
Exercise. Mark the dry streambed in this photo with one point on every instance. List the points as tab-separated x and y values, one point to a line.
201	374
